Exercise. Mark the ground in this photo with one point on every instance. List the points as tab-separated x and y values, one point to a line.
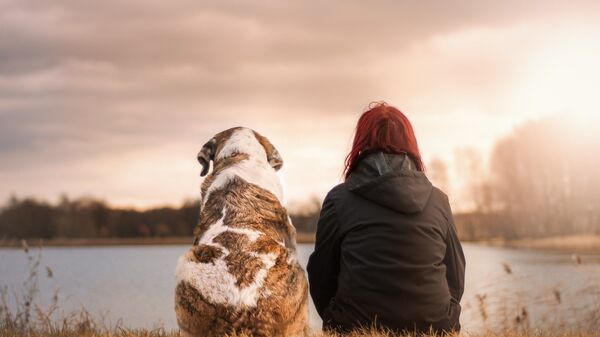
587	243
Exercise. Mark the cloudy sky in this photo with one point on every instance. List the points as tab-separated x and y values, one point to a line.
114	98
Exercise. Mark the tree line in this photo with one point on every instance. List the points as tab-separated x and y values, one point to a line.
87	217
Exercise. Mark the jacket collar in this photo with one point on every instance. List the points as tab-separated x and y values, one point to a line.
391	180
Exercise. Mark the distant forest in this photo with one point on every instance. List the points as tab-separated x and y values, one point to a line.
541	180
91	218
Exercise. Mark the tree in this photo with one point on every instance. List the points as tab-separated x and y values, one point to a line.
470	165
544	175
438	173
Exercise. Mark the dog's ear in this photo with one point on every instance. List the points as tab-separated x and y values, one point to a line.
274	159
273	155
206	154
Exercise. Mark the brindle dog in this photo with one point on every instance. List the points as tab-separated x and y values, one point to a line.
242	274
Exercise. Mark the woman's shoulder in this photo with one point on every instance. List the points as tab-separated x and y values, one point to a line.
439	200
336	197
338	191
438	194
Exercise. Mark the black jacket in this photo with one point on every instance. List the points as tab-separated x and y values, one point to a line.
386	251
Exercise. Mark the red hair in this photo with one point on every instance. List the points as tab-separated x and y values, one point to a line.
382	128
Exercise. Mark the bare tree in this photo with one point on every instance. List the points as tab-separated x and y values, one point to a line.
438	173
545	177
470	165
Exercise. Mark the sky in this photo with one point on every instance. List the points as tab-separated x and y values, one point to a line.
113	99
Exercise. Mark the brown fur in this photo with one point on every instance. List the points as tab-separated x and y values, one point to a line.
208	218
206	253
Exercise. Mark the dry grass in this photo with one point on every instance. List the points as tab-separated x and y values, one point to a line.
361	333
89	333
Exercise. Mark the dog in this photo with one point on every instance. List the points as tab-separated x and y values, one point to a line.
242	274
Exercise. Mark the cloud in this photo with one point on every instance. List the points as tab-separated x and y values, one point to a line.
85	86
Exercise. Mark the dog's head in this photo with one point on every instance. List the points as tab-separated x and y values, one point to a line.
238	140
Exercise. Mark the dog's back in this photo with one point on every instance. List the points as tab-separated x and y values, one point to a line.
241	275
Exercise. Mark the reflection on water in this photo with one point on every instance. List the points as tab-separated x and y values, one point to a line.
136	284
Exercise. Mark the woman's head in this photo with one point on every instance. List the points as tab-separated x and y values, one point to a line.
382	128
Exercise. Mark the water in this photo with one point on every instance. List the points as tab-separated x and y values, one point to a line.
135	284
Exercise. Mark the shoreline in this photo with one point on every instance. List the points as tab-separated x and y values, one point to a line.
589	243
106	242
582	243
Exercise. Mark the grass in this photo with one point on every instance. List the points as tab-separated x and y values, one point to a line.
358	333
27	318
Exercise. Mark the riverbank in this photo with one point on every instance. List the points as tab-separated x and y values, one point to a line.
93	242
585	244
99	280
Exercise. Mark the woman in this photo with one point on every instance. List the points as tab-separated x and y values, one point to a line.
386	252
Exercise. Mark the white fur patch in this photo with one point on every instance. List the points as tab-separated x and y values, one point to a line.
219	227
256	169
214	281
242	141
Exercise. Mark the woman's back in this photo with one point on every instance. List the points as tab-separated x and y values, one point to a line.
387	250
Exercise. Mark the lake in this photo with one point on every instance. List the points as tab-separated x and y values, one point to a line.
135	284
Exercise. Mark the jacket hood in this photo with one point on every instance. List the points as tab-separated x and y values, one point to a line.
391	180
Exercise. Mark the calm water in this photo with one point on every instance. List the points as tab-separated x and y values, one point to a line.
136	284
